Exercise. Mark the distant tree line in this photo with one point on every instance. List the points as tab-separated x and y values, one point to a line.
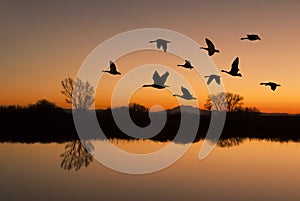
42	106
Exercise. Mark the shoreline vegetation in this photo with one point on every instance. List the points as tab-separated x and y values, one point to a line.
45	122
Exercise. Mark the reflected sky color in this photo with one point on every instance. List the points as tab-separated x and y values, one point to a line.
253	170
44	42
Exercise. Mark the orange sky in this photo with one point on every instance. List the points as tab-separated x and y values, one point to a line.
44	42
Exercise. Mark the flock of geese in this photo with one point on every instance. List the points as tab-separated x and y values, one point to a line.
160	80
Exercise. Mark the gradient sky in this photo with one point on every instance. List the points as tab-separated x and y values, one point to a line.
43	42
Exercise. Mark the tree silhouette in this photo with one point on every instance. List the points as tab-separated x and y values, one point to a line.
76	155
78	93
43	105
224	102
135	107
249	110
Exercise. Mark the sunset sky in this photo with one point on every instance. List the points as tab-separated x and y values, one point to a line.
43	42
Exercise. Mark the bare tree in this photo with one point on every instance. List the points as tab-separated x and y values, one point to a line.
68	86
216	102
77	92
224	102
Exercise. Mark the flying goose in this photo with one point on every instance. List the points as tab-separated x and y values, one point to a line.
186	65
185	94
251	37
159	81
161	43
213	77
210	47
273	85
113	69
234	68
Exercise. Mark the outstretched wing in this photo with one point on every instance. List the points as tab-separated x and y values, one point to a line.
156	77
163	78
158	44
210	79
209	43
164	46
218	79
112	66
187	62
235	65
185	92
160	80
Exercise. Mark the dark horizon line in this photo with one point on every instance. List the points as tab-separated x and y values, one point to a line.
205	110
274	113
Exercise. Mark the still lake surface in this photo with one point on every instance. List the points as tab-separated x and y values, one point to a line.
249	170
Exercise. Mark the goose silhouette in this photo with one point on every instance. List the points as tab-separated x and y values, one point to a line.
185	94
113	69
210	47
213	77
251	37
273	85
159	81
161	43
186	65
234	69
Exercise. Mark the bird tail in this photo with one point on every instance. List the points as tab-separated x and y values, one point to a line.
179	65
244	38
152	41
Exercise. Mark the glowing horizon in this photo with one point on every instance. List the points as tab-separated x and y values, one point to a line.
45	43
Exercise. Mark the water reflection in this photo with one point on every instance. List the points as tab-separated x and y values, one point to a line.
230	142
256	169
76	155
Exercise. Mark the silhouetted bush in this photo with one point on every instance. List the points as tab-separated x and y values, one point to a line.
248	111
135	107
44	106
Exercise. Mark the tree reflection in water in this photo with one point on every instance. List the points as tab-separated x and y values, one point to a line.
76	155
230	142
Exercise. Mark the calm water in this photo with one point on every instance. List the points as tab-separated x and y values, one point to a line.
253	170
